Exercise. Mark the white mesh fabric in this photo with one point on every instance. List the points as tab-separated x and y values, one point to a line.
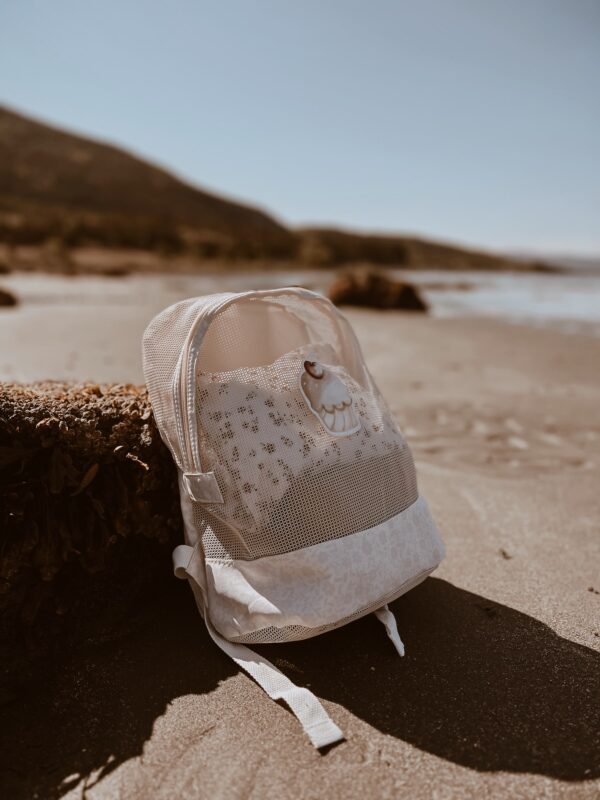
255	331
286	482
162	345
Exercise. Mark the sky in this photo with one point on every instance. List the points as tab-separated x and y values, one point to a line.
472	121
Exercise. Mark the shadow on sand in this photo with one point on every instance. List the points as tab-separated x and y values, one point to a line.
483	686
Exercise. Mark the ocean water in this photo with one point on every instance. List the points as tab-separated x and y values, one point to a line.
569	301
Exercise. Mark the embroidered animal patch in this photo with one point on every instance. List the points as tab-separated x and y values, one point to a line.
328	399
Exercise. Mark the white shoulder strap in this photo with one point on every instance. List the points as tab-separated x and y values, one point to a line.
317	724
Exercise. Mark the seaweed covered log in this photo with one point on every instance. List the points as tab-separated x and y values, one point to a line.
89	503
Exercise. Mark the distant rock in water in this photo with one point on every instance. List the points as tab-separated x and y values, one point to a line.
7	298
374	290
116	272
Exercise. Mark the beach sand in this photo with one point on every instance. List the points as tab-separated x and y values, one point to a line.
498	695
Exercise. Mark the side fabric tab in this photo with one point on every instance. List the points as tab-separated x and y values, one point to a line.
317	724
202	487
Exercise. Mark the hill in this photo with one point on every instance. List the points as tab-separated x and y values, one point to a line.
69	193
57	185
332	247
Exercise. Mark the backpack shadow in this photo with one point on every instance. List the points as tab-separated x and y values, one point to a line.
94	706
482	685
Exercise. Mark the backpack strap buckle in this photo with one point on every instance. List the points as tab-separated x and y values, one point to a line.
202	487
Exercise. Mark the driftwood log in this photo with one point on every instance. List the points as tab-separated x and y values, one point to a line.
89	506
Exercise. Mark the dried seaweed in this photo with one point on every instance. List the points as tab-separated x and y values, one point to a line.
88	499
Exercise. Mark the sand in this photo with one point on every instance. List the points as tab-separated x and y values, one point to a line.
498	695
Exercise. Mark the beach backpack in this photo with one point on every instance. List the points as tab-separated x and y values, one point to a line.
298	492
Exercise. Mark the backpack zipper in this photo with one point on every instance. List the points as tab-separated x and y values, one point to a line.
189	455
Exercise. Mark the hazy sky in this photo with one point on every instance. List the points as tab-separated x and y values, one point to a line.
476	121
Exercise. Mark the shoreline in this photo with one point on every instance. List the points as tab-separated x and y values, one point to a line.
92	306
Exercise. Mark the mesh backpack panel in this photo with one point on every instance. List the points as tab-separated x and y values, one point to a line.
286	482
299	493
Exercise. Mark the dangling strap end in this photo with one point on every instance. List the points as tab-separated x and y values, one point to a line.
316	722
385	616
324	733
182	555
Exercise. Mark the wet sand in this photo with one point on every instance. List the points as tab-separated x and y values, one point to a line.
499	693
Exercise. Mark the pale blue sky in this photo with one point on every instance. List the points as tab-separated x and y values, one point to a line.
469	120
